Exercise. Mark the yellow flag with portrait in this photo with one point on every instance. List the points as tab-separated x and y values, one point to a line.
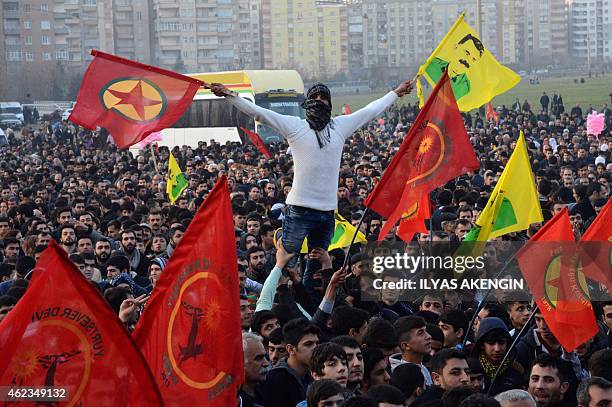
476	76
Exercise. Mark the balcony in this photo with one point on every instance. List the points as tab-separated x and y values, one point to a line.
12	30
62	29
11	13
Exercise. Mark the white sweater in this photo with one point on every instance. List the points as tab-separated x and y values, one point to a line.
316	170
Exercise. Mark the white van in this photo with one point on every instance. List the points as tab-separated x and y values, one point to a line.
13	108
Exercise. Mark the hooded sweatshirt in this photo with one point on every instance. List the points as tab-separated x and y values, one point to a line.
283	387
512	376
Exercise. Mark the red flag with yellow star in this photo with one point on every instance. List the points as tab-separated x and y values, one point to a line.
190	330
435	150
62	333
129	99
550	263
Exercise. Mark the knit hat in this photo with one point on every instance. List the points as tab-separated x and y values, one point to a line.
160	261
24	265
319	89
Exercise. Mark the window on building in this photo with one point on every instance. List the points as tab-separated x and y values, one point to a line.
61	54
44	8
46	56
28	40
45	25
27	8
29	56
45	40
13	55
26	24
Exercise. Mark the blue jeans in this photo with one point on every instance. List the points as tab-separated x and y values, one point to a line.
299	223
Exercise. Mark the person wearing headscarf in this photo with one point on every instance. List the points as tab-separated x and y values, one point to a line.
316	144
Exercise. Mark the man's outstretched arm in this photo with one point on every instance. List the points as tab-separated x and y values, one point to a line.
285	125
347	125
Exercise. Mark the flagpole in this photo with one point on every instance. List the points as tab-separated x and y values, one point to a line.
512	346
154	158
348	257
483	301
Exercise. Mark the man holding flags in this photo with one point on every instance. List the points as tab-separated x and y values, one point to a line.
316	145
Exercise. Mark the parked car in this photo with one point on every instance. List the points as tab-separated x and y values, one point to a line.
9	120
66	114
12	107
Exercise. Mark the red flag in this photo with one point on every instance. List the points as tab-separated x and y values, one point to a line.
596	257
548	263
257	142
435	150
346	109
129	99
492	114
190	330
413	220
62	333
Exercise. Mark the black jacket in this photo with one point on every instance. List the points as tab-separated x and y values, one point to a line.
526	352
283	387
431	394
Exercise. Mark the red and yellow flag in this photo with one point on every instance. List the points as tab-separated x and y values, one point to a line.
190	330
413	220
63	334
550	264
129	99
597	250
435	150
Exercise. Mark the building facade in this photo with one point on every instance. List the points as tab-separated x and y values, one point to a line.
397	34
590	30
304	35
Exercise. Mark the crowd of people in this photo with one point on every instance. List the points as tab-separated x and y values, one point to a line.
309	339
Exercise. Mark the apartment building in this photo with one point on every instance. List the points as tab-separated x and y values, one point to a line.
590	28
249	45
302	35
397	34
131	29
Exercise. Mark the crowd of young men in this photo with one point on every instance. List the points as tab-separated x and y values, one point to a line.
309	339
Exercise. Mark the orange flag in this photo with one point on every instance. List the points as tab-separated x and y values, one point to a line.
63	334
492	114
549	264
595	256
435	150
413	220
190	330
257	142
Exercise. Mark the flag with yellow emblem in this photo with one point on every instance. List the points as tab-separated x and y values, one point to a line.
189	332
475	75
129	99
